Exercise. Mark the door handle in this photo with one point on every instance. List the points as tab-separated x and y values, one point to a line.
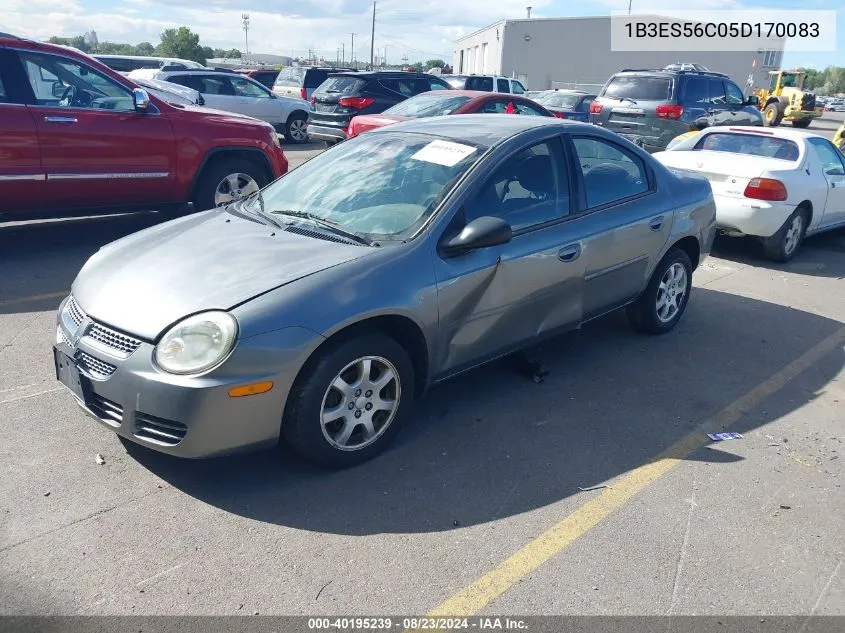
60	119
656	223
569	253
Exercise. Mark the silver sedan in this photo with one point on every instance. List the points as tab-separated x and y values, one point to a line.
319	310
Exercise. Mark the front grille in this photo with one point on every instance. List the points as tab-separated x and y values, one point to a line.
113	339
108	411
95	366
150	427
65	338
808	102
75	312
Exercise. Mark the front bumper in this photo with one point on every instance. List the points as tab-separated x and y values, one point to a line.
751	217
191	416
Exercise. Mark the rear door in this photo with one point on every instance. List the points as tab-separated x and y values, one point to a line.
22	179
96	150
629	102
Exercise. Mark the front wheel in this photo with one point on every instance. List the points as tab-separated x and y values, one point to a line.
228	180
772	115
783	245
349	401
660	307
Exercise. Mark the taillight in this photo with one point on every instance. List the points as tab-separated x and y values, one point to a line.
673	112
356	103
303	93
595	108
765	189
560	115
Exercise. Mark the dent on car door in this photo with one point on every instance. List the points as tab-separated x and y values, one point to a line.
501	297
630	222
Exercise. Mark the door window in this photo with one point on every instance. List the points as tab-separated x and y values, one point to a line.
216	85
828	155
245	88
438	84
697	91
527	189
64	82
518	88
526	108
734	94
610	172
584	106
485	84
502	85
494	107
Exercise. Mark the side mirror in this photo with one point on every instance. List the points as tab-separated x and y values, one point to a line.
59	89
753	100
141	99
480	233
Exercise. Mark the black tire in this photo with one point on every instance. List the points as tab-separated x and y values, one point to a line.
776	246
302	425
643	313
292	133
804	123
772	115
214	173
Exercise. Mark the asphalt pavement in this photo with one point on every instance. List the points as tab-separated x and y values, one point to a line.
480	507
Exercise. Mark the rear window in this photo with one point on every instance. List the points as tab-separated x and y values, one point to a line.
291	76
428	105
751	144
480	83
639	88
343	86
116	63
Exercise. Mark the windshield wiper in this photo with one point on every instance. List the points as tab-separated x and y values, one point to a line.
260	211
326	223
627	99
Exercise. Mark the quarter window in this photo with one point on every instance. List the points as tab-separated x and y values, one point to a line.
528	189
610	173
502	85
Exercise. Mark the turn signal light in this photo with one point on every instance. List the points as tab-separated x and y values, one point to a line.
250	390
766	189
356	103
595	108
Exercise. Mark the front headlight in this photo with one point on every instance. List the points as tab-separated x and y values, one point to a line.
197	344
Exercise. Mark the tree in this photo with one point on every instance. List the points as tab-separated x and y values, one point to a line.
145	49
208	52
232	53
434	63
182	43
418	67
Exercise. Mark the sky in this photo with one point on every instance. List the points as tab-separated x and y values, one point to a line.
420	30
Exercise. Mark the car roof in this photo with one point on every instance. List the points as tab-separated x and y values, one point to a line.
476	129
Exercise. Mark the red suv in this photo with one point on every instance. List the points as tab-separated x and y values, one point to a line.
77	137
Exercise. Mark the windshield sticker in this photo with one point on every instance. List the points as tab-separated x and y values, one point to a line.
444	153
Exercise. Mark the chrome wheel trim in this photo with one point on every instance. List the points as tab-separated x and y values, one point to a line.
360	403
671	292
793	234
234	187
298	129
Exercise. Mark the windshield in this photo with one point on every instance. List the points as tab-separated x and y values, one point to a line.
428	105
558	100
755	145
380	185
639	88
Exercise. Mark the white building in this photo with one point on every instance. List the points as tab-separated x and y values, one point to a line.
563	52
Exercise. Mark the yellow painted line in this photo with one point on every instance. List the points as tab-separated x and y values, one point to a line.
31	298
479	594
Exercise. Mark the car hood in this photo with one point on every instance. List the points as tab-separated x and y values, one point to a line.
145	282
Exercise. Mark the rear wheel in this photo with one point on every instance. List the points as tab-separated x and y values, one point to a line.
772	115
296	128
660	307
804	123
783	245
228	180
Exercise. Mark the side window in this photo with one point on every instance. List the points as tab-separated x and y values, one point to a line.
584	106
494	107
245	88
717	92
502	85
438	85
527	108
734	94
485	84
828	155
65	82
213	85
697	91
3	97
527	189
518	88
610	172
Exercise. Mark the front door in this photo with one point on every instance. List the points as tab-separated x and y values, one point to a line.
96	150
834	174
495	299
627	232
742	114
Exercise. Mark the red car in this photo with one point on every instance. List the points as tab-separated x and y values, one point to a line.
439	103
77	137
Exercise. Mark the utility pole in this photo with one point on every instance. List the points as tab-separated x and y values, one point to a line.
629	6
343	54
245	18
384	59
373	38
352	52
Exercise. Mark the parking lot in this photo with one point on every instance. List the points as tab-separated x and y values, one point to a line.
478	508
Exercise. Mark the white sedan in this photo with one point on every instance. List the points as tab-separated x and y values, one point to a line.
776	184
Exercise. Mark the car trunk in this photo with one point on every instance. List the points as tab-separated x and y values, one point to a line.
629	105
336	101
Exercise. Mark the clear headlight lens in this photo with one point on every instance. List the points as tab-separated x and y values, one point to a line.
198	343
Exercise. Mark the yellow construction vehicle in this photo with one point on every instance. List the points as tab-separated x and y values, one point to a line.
785	100
839	137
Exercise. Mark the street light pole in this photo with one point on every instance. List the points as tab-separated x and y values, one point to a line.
373	38
352	52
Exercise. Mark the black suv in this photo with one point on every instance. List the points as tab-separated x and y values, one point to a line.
345	95
651	107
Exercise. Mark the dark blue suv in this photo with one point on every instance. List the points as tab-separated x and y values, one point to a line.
651	107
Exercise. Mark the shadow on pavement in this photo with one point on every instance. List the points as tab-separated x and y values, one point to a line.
493	444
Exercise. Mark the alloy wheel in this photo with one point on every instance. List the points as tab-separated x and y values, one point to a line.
234	187
671	292
793	234
298	130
